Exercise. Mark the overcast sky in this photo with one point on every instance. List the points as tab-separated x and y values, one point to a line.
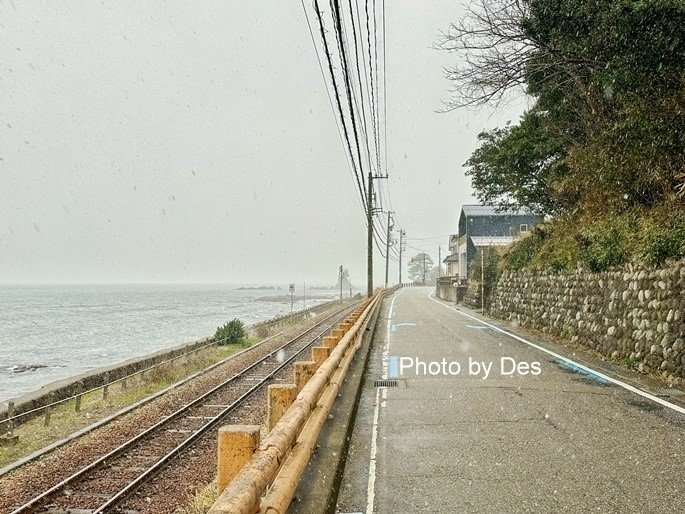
194	142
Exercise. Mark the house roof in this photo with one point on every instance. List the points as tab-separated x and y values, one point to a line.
492	210
451	258
479	241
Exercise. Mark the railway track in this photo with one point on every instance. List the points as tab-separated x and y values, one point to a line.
106	482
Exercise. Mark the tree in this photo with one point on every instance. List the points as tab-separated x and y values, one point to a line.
519	165
232	332
612	100
420	268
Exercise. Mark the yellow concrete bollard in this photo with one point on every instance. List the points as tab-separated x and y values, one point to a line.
236	445
320	354
279	398
330	341
337	332
345	326
303	371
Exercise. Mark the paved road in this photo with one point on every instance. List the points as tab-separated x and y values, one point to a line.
520	442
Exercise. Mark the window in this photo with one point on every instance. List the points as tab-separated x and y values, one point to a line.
523	227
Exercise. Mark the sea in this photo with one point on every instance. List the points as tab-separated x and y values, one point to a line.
49	333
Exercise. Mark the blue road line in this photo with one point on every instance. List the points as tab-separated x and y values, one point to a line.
392	367
580	371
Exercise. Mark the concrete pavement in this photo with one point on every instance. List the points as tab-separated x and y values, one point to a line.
511	440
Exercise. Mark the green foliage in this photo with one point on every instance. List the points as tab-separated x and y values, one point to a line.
607	129
602	148
232	332
639	235
661	236
520	255
607	243
518	164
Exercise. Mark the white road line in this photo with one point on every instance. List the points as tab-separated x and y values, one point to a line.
614	381
371	485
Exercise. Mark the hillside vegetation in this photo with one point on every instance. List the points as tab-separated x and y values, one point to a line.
601	151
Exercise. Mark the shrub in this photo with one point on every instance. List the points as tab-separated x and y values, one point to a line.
232	332
560	250
644	236
608	242
661	235
520	254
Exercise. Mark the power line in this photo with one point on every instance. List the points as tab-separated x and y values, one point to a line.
351	100
348	156
335	5
371	75
360	182
359	79
385	100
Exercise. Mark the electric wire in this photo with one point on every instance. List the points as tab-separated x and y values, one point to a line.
348	156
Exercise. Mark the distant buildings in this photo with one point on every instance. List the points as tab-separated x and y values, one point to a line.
483	226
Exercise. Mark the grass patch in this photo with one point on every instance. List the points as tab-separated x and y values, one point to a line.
200	502
64	420
646	237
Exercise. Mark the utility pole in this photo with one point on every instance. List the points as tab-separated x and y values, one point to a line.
482	279
387	248
424	268
439	260
304	295
400	273
341	277
369	240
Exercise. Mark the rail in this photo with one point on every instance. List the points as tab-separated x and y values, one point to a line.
11	421
80	476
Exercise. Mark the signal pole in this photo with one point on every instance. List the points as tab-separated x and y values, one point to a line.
387	248
424	268
341	277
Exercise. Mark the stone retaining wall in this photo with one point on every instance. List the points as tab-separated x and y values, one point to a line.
632	314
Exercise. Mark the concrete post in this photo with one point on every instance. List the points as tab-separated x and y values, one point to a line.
236	444
330	341
338	332
10	414
279	398
105	392
77	405
320	354
303	371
